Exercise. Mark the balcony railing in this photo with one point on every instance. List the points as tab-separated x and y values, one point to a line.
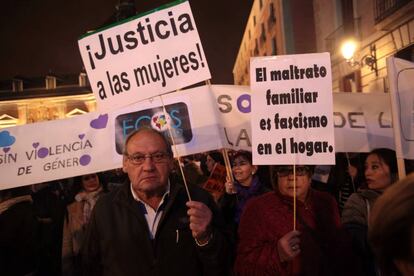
384	8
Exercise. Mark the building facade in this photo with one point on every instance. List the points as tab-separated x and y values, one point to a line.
381	28
275	27
24	101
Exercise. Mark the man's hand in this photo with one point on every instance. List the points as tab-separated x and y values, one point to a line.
288	246
200	218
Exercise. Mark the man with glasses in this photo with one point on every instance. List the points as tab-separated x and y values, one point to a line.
149	226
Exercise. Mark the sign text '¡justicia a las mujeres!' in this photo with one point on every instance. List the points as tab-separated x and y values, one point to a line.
145	33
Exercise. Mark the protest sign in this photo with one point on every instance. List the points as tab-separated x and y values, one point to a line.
93	142
144	56
292	110
401	75
216	181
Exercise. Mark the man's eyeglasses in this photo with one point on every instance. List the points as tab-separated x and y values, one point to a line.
286	171
139	158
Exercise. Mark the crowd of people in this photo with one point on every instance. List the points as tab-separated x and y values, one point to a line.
260	220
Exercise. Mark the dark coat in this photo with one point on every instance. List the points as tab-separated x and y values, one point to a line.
118	239
19	240
325	247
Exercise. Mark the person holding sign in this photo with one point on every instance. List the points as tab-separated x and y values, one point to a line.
148	226
269	244
246	186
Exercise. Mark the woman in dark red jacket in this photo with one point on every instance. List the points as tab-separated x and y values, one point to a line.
268	244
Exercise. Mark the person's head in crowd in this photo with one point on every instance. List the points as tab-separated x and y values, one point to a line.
243	168
193	174
380	169
356	167
212	158
148	161
88	183
285	176
391	231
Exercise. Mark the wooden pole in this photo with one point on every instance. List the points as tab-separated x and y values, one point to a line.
227	164
294	197
176	151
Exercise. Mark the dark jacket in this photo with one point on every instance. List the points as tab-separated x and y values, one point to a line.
324	246
355	220
117	240
19	239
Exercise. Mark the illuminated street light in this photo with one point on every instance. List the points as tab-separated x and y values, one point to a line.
348	50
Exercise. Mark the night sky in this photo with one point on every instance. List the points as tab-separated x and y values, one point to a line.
40	36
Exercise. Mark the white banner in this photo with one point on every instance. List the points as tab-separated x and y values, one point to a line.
292	109
359	125
234	107
92	142
46	151
145	56
401	76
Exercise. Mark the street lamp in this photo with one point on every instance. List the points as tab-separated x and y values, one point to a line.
348	50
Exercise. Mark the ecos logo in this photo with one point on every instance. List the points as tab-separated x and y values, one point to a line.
177	117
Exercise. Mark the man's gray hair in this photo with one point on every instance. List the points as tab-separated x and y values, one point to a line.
148	129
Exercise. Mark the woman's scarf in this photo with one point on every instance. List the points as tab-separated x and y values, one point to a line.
244	194
89	201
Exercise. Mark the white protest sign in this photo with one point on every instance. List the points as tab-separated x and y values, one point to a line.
93	142
401	75
144	56
359	125
292	110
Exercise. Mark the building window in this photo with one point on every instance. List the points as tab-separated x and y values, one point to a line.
17	85
261	4
384	8
274	47
348	17
352	82
250	35
406	53
50	82
254	20
263	34
256	48
272	18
